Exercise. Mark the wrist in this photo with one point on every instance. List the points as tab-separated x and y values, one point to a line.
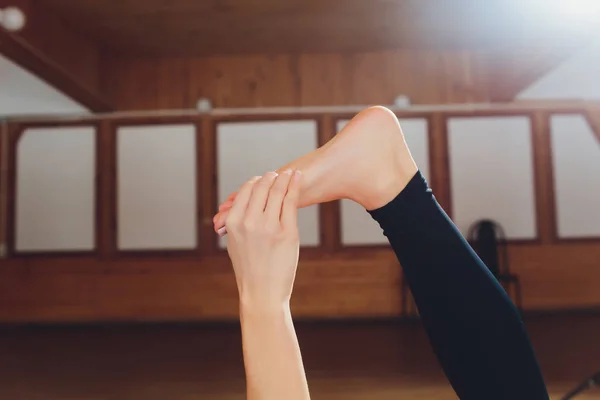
260	309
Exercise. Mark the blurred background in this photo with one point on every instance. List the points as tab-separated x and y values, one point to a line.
124	124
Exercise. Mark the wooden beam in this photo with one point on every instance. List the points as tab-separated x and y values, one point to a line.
329	213
439	159
593	118
55	53
544	177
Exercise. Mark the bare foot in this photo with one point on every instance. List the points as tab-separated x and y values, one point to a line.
367	162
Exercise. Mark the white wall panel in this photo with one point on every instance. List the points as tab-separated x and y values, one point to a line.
491	172
576	157
55	198
574	78
23	93
156	187
358	228
254	148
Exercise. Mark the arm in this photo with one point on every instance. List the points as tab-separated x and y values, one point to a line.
263	246
274	368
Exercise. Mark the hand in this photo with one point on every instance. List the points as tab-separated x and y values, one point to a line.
263	238
221	216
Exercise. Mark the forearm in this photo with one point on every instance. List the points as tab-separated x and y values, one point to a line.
272	358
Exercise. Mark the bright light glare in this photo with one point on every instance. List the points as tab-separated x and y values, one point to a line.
579	10
566	13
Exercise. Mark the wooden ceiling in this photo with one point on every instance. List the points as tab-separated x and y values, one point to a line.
208	27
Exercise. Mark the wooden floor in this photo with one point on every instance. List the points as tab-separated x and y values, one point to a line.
345	361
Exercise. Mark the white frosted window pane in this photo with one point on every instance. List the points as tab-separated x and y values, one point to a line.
576	155
254	148
55	199
156	179
491	170
358	228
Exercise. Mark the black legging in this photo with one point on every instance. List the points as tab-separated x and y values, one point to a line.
473	326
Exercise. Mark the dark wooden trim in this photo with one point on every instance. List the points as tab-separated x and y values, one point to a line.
143	253
413	115
307	253
4	189
439	160
543	177
357	249
592	117
214	198
106	175
525	112
245	118
45	255
406	114
98	190
576	239
152	253
329	213
15	134
148	120
207	185
266	116
33	60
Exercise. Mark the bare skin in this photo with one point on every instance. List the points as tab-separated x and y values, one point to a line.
367	162
263	246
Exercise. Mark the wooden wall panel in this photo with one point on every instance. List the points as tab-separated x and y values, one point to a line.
338	283
428	77
261	80
359	284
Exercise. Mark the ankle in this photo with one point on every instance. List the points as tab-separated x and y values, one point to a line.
386	188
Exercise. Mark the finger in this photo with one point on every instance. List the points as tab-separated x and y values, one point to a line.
225	206
242	200
276	196
260	193
289	211
231	197
218	218
219	225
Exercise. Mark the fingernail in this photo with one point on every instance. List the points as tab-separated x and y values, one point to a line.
255	178
271	175
288	172
222	231
297	175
